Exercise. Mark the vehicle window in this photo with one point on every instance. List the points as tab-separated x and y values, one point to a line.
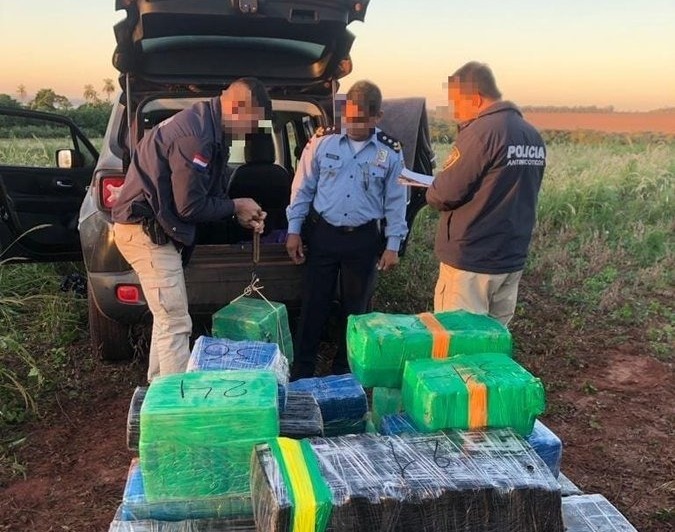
237	152
292	144
33	142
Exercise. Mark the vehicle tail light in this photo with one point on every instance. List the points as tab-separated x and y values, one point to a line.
106	196
128	293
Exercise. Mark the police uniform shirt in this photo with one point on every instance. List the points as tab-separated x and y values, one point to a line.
348	188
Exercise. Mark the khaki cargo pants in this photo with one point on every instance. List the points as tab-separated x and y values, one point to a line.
480	293
160	272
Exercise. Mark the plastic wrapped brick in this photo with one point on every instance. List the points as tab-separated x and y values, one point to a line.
547	445
198	431
567	487
380	344
248	318
593	513
134	417
489	482
487	390
302	416
234	524
342	401
223	354
544	442
135	505
398	425
385	401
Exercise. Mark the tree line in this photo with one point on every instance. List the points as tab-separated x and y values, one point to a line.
92	115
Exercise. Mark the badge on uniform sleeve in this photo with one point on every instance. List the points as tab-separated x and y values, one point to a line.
381	156
452	158
200	160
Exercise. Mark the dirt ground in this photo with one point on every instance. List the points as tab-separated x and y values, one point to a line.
611	403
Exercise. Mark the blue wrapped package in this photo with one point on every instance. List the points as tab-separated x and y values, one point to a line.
222	354
397	425
547	445
342	401
544	442
135	505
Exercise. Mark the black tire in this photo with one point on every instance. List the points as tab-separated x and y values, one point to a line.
110	340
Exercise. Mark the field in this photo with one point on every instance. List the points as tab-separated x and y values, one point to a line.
647	122
595	322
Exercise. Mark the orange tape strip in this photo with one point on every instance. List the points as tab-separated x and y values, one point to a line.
478	411
477	404
440	347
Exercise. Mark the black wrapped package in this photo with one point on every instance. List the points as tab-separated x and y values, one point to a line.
476	481
134	418
302	416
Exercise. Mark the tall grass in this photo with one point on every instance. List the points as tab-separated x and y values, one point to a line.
603	240
37	320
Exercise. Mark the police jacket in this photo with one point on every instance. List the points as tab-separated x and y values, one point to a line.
177	174
487	192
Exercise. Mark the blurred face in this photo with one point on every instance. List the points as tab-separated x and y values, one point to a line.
240	115
464	102
358	123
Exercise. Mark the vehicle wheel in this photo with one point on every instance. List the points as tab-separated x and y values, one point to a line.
110	340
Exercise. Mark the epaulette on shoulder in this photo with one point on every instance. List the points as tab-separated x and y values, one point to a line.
389	141
321	132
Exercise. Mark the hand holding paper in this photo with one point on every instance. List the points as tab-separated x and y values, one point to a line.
414	179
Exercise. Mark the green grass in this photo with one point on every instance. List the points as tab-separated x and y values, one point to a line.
37	321
35	152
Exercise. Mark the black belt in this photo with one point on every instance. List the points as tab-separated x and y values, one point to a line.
372	224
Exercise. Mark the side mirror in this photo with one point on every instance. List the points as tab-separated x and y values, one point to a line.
69	159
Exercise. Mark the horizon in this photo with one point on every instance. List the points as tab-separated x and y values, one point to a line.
609	53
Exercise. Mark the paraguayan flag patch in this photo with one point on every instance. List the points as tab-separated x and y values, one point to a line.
200	160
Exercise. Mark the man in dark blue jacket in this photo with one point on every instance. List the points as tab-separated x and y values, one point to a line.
174	182
487	194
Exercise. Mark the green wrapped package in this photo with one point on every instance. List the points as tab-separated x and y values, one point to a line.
249	318
380	344
386	401
198	430
487	390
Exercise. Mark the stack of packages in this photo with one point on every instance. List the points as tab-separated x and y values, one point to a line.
449	359
195	432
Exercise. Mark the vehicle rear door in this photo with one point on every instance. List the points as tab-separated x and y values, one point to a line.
406	120
291	46
46	164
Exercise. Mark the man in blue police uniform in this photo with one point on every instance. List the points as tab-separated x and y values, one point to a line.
487	195
345	185
174	182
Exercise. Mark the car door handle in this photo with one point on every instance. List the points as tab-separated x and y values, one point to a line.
64	183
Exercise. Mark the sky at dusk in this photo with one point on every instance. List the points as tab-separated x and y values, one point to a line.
573	52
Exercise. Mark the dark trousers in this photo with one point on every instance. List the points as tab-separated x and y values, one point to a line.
334	254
